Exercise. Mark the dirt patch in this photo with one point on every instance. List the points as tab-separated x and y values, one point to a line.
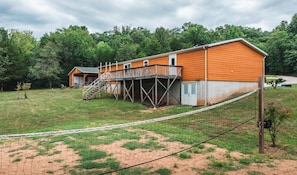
197	161
27	157
132	157
283	167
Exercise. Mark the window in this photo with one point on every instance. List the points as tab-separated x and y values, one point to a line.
127	66
186	91
193	88
145	63
172	59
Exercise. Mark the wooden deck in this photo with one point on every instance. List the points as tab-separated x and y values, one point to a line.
147	72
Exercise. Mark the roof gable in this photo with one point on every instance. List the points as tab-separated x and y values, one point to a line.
245	42
90	70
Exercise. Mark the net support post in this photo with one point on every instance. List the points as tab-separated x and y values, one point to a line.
261	115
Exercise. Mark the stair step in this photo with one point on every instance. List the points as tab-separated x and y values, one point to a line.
95	87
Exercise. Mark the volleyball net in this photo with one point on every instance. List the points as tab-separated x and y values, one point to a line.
185	143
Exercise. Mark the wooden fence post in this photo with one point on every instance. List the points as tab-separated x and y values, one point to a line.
261	115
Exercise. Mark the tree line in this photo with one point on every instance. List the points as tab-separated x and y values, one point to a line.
46	62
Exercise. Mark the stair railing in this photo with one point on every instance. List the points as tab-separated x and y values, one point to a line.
95	84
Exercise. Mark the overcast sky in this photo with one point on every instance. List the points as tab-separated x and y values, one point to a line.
44	16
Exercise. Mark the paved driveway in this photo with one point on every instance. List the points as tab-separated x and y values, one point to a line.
289	79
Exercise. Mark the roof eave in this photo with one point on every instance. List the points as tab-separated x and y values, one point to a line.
241	40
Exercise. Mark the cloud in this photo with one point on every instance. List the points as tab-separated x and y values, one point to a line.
44	16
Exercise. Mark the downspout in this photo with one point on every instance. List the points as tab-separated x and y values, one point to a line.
205	76
264	66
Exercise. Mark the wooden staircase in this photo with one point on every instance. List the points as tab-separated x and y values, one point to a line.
96	86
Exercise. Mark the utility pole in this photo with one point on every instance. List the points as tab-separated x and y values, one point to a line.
261	115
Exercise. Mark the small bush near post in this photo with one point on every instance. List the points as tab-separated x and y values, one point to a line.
276	112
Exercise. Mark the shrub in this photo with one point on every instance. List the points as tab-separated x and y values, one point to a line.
276	112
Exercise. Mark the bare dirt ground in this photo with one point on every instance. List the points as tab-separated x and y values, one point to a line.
24	157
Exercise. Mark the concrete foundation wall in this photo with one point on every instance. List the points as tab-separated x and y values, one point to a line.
221	90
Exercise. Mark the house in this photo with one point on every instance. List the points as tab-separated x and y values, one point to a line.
80	76
199	75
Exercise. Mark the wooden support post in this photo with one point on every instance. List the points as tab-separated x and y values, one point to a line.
132	90
85	77
168	86
261	115
141	93
124	90
117	90
156	91
100	69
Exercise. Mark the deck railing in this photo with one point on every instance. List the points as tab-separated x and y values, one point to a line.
147	71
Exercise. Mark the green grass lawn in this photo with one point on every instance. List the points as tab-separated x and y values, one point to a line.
49	110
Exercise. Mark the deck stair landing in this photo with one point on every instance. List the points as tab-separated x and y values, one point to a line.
95	87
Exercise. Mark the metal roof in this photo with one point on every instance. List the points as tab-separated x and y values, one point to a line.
245	42
90	70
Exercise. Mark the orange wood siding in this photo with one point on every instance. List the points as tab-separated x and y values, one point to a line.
75	71
137	64
134	64
193	65
158	60
161	60
234	62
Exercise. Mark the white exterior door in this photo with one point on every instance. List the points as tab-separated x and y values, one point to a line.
172	62
189	94
78	81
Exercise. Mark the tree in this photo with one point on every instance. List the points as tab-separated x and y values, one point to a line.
195	34
276	47
104	53
4	56
162	36
47	66
292	27
126	52
227	32
276	113
151	46
21	52
290	55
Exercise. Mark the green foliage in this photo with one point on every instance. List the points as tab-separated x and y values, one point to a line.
223	166
17	160
110	163
47	65
92	154
184	155
281	47
104	52
273	80
245	161
254	173
47	62
135	171
4	61
276	112
211	149
163	171
148	145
